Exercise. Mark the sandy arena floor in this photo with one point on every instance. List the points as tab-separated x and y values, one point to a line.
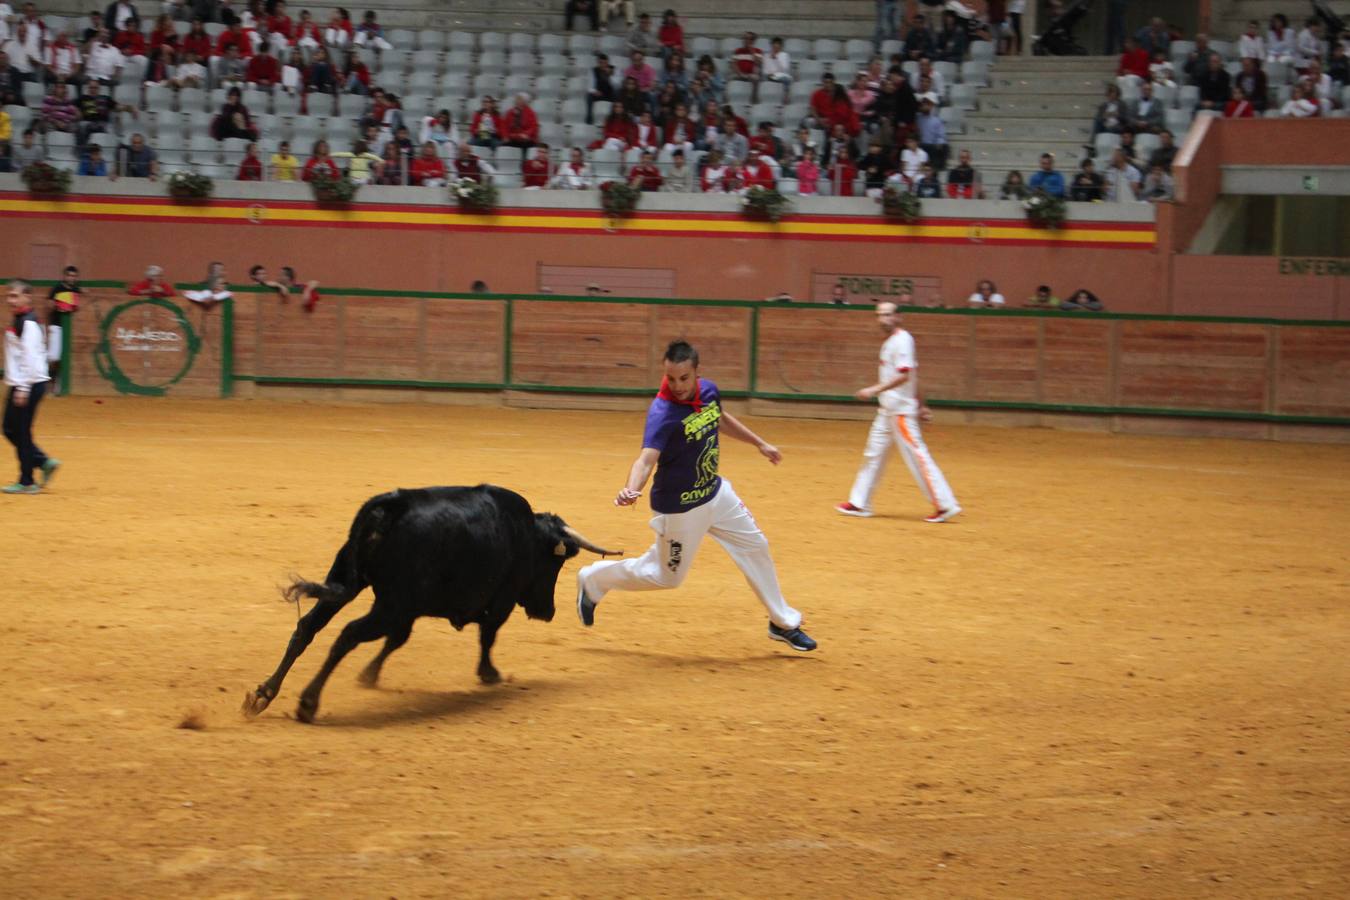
1123	672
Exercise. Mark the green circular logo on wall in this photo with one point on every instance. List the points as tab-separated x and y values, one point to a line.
146	347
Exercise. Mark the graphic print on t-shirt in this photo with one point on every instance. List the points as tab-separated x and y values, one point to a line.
687	438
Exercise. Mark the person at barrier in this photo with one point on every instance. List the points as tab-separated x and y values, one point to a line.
215	289
152	285
690	500
65	302
27	376
287	284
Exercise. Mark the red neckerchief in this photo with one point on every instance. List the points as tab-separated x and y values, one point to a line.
667	394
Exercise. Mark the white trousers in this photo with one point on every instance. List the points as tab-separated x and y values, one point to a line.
666	563
903	431
54	335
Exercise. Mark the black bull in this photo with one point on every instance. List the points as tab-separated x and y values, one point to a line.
466	554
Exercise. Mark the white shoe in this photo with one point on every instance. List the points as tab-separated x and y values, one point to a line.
942	515
848	509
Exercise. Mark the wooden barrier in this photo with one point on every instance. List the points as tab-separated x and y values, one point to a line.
1265	373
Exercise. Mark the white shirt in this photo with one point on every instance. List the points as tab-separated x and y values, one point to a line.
995	299
777	64
911	161
897	355
18	55
25	356
1310	46
191	71
1251	47
104	61
123	12
1119	183
1299	109
63	59
1280	45
573	178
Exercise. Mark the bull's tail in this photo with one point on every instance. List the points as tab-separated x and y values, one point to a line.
347	577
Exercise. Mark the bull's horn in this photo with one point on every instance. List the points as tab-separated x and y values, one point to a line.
587	545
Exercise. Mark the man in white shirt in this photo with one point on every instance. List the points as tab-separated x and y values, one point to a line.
937	82
62	59
105	60
575	175
27	377
897	421
1122	179
16	48
777	65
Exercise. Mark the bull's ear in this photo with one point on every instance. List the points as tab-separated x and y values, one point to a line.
560	550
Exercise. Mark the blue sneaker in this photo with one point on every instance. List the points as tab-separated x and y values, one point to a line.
793	637
49	469
585	605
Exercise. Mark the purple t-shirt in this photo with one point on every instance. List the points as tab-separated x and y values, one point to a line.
686	473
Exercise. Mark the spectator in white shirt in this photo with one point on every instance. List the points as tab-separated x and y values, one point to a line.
1319	85
190	73
293	73
1279	40
986	295
777	65
912	159
16	48
575	174
1122	179
1251	45
62	59
105	60
1309	45
1299	105
937	84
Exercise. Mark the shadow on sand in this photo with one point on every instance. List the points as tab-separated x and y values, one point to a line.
410	705
711	663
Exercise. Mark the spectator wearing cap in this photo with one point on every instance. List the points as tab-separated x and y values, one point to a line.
487	129
1047	179
520	126
536	171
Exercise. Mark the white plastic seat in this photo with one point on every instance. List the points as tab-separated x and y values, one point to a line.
826	48
492	40
401	38
521	40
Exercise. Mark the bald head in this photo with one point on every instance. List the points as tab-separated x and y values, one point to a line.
888	316
886	308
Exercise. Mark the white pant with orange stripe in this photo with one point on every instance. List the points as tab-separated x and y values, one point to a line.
903	430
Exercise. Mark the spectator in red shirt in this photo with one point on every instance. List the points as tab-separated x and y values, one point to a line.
468	166
152	285
197	41
280	23
263	69
645	175
681	131
487	128
130	40
838	110
822	101
250	169
163	34
1134	61
520	124
536	171
765	144
235	37
747	63
308	35
1239	107
645	133
428	169
758	173
618	133
670	35
320	161
357	76
842	173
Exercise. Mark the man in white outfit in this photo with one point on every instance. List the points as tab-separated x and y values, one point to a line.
691	500
897	395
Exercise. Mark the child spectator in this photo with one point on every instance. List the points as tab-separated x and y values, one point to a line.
427	170
536	171
575	174
808	173
371	34
986	295
283	163
250	168
320	161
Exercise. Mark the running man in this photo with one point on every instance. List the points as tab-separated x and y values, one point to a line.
898	415
690	500
26	375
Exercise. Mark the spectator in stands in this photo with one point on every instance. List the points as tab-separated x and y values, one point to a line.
16	49
231	68
129	41
1214	84
949	44
536	171
633	98
986	295
1160	71
731	144
842	173
920	41
1253	83
250	167
1318	85
338	33
356	75
717	176
1133	62
756	172
670	36
1309	46
776	66
11	82
926	91
807	172
1121	179
1251	45
895	109
392	170
439	129
837	111
191	73
263	70
645	176
839	145
680	178
602	84
61	60
575	174
487	128
197	41
747	64
159	68
1046	178
963	181
1300	105
233	120
862	98
1127	147
58	112
874	167
363	166
234	37
1154	37
800	144
104	61
27	151
1110	118
588	8
320	162
932	134
428	169
1238	106
1338	68
280	25
673	74
91	29
370	33
638	70
766	145
520	126
321	77
937	85
1157	185
1088	186
308	34
1165	153
680	131
96	112
611	9
646	135
93	163
1146	113
1197	61
1082	299
912	160
1279	40
618	132
640	38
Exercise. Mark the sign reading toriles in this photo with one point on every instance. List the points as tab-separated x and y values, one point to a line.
832	287
145	347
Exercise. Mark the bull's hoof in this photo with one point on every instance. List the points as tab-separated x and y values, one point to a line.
307	710
368	678
489	676
255	702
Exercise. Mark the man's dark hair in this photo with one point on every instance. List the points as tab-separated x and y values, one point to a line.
681	351
253	272
479	287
